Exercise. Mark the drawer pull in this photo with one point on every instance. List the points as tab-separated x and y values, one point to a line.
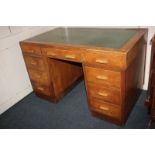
104	108
102	94
101	61
70	56
31	51
38	76
33	63
51	54
100	77
40	88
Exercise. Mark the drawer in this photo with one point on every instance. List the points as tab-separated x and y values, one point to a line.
101	76
107	94
71	55
30	49
34	62
105	108
105	59
41	89
38	76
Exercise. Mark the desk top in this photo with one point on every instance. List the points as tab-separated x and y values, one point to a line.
95	37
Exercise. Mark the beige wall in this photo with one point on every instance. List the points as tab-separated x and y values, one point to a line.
14	81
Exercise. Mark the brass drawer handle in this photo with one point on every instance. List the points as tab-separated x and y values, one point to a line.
104	108
102	94
70	56
31	51
51	54
101	61
40	88
101	77
38	76
33	63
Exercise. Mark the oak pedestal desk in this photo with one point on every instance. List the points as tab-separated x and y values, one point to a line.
112	62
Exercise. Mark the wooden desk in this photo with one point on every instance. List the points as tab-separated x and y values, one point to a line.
112	61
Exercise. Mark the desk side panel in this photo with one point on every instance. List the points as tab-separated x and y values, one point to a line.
134	75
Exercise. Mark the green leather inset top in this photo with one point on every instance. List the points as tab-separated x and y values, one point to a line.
96	37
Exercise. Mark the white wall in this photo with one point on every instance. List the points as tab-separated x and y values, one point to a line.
151	32
14	81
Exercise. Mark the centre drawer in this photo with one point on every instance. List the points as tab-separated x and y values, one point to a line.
101	76
112	95
38	76
71	55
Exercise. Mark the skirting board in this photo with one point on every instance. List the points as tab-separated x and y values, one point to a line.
14	99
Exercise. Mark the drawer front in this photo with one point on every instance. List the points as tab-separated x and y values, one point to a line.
101	76
105	108
71	55
106	59
104	93
31	49
34	62
41	89
38	76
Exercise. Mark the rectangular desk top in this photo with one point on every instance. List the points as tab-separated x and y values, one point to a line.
92	37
